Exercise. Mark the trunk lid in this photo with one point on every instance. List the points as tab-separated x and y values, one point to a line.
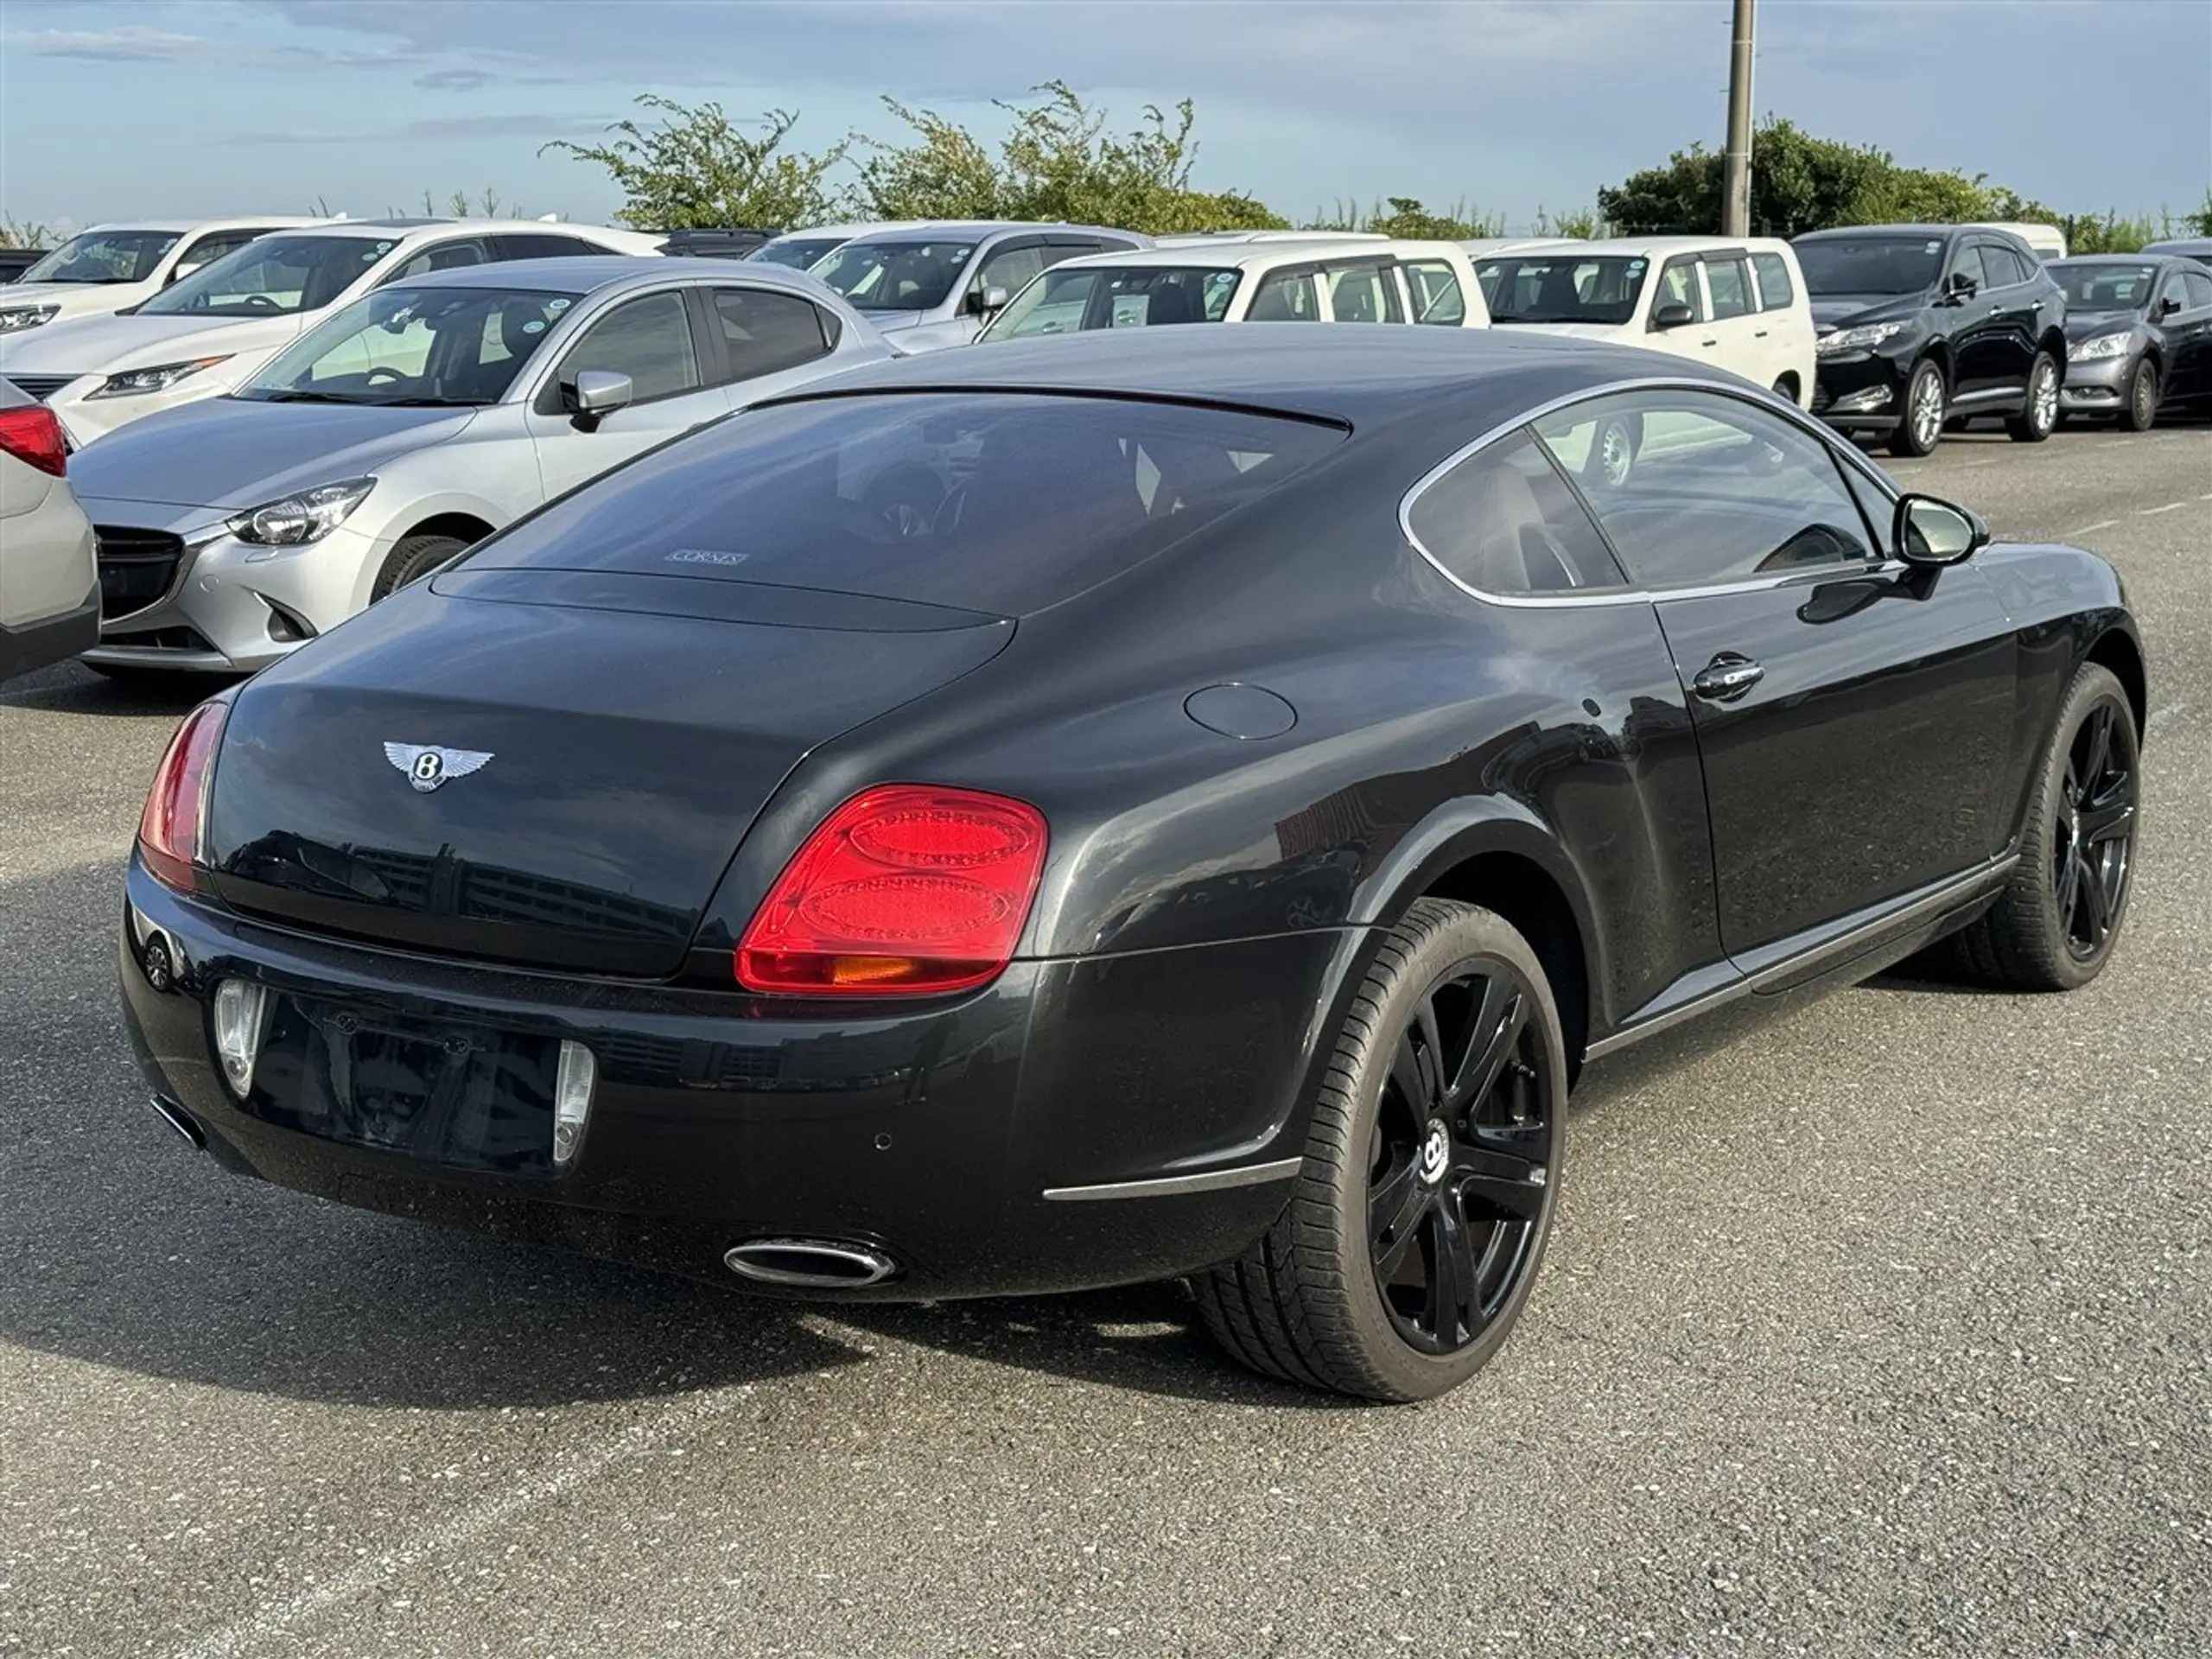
603	742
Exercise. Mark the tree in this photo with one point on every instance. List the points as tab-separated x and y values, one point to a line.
1057	161
695	169
1406	216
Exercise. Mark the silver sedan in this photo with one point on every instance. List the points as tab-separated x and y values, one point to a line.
418	420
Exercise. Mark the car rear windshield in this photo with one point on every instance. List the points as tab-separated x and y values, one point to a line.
1068	301
1561	288
1870	265
997	502
276	275
2102	287
896	276
104	257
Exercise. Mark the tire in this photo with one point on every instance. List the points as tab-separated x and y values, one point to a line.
1786	389
1920	427
415	557
2038	417
2141	412
1307	1302
2076	852
1613	448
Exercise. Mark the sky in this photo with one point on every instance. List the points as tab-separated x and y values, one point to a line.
112	108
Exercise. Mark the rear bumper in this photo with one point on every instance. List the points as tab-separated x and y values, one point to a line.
51	639
1064	1128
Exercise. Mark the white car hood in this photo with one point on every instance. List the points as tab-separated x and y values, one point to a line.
73	299
110	345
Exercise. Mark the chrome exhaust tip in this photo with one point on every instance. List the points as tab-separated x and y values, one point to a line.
180	1120
810	1263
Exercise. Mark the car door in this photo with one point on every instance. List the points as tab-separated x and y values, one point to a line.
2011	302
656	340
1785	325
2188	329
1734	326
1968	313
1365	291
1854	715
1009	265
1679	283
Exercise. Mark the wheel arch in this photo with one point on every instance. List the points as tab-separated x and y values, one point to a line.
466	525
2115	649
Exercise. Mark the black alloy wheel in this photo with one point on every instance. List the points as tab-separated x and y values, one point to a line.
1458	1163
2142	411
1417	1225
2054	926
2094	831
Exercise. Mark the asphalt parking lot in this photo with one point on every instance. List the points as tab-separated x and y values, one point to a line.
1886	1331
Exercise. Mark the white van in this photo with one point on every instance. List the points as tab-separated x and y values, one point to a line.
1739	303
2047	242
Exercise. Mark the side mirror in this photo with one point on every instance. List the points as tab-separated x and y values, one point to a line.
1927	531
983	300
1674	314
1959	286
596	395
2168	306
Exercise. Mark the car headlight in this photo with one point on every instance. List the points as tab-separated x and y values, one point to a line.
2089	351
307	517
135	383
1863	338
15	317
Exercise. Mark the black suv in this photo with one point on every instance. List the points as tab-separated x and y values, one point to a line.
1923	324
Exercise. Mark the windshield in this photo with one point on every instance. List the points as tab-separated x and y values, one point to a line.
2102	287
997	502
1561	288
104	257
1068	301
1870	265
896	276
420	346
797	253
277	276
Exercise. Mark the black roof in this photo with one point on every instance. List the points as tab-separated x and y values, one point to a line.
1351	373
1843	232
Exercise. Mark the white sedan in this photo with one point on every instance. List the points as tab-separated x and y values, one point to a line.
49	598
211	332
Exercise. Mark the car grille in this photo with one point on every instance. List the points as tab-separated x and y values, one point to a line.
42	386
137	567
161	640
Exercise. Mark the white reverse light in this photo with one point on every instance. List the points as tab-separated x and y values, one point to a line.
240	1006
573	1081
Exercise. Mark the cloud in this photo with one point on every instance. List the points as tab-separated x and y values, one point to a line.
437	130
130	44
455	80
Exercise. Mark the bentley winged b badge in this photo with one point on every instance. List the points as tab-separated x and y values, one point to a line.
426	765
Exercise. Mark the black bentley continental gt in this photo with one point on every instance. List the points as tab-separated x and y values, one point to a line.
1108	809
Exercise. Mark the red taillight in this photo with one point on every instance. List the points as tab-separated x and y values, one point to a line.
904	889
168	829
33	435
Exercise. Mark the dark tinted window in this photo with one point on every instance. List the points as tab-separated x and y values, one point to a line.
797	253
1968	264
1287	296
1732	288
765	333
104	257
2005	267
271	276
2097	286
443	256
1777	291
648	339
2200	288
2175	290
1504	522
1562	287
1870	265
999	503
1712	489
539	245
208	249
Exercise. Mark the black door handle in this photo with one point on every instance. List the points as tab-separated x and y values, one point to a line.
1726	678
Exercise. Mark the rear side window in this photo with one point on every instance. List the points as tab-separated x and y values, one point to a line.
765	333
1777	291
1504	522
1364	293
1287	296
2007	269
2200	288
1732	288
446	256
997	502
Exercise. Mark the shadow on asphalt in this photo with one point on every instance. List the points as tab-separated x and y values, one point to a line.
72	689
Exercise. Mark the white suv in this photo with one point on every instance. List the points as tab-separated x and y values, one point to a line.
211	332
111	268
1738	303
50	597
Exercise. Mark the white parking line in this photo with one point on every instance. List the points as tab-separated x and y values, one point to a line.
269	1622
2170	506
2101	523
2163	715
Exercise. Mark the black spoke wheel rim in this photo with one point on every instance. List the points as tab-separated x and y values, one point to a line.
1460	1161
2093	835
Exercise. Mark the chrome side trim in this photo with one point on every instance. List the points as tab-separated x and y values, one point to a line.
1844	945
1169	1186
1637	595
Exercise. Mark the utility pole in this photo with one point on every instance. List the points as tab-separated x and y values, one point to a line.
1735	168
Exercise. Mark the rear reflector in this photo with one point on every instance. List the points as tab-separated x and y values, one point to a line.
168	829
906	890
34	436
572	1082
240	1006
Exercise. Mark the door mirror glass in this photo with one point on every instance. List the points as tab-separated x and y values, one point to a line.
599	392
1930	531
1674	314
1960	285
